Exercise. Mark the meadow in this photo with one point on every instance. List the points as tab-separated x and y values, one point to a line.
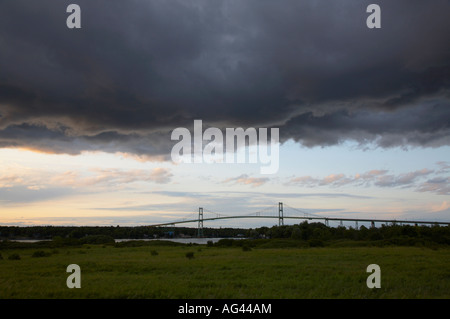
166	270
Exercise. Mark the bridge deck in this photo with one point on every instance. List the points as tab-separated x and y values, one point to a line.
309	218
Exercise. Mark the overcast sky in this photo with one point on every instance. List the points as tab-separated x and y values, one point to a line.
86	114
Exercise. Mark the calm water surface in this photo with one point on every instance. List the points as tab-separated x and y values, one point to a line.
200	241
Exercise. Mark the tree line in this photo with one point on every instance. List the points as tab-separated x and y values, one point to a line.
386	234
307	232
116	232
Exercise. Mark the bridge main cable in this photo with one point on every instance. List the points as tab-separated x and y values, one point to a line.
307	216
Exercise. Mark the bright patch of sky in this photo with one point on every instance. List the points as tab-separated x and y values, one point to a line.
115	188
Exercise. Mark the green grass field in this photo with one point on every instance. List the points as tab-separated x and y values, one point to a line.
164	271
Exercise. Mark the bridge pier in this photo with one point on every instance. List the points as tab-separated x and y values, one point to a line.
200	222
280	214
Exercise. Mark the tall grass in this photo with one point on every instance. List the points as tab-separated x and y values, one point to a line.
135	271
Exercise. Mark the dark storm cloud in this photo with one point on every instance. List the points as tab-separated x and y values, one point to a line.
138	69
425	124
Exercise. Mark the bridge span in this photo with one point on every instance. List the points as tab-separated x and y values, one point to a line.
302	215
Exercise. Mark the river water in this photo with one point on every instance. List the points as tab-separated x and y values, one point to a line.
200	241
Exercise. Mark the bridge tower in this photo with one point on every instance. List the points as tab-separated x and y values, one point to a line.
280	214
200	222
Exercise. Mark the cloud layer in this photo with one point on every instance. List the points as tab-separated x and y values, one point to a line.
423	180
139	69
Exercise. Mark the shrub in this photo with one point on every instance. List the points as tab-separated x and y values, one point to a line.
58	241
190	255
316	243
225	242
14	257
40	253
246	248
97	239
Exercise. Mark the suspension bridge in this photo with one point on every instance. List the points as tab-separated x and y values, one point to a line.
283	212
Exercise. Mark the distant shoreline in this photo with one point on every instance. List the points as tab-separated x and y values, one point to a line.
192	240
